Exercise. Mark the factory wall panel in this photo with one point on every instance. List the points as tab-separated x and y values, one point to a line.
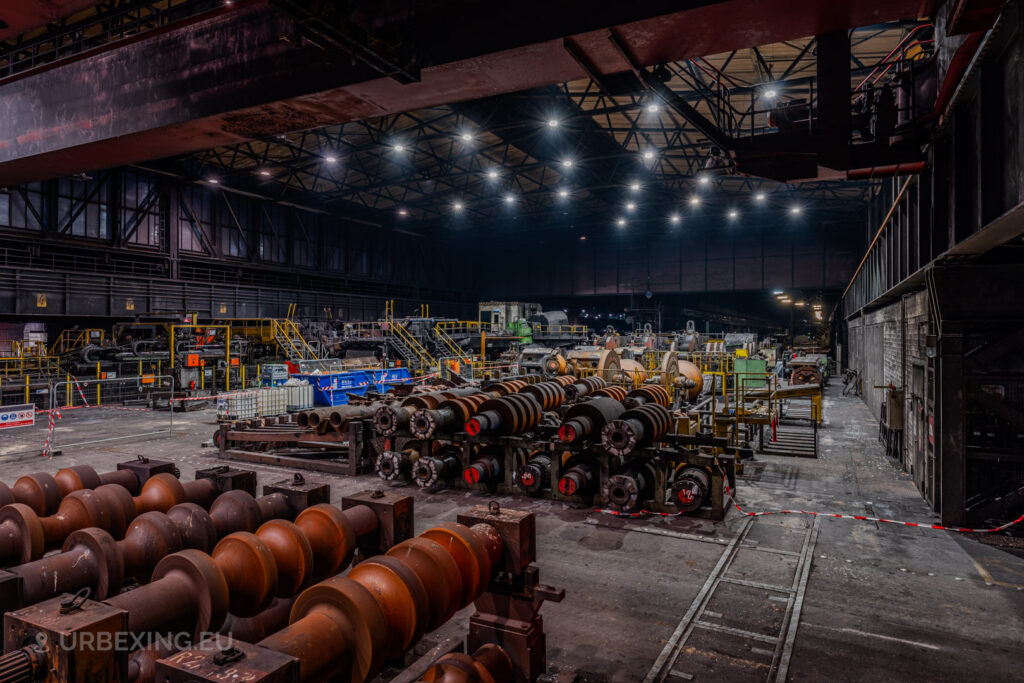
721	268
693	268
634	267
665	264
606	271
749	264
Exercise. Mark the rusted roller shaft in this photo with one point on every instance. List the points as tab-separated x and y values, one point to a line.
433	470
346	627
581	388
192	591
564	380
92	558
391	465
578	479
489	664
651	393
630	486
390	419
43	492
549	395
483	470
587	419
534	475
636	428
690	488
506	416
449	415
618	393
312	418
24	535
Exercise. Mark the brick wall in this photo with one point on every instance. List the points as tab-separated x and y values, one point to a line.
887	346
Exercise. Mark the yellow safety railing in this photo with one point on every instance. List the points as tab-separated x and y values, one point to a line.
449	344
288	336
22	365
572	330
423	357
462	327
72	340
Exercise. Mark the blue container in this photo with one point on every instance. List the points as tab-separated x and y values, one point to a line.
333	389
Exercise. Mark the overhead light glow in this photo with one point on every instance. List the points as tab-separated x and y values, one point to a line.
634	186
403	212
630	206
653	108
733	213
492	174
759	196
330	159
800	303
399	147
467	137
566	163
458	206
795	210
509	198
552	123
704	179
769	93
694	200
212	181
674	218
563	193
777	292
264	173
648	154
621	222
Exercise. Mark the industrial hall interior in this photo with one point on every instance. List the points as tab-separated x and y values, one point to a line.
447	341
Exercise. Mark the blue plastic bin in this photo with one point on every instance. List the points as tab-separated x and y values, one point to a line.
333	389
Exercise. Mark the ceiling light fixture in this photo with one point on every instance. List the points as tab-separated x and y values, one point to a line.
212	181
674	218
795	210
509	199
733	213
566	163
330	159
769	93
630	206
621	222
648	154
264	173
634	186
552	123
458	206
467	137
399	147
653	108
694	200
403	212
492	174
704	179
563	193
760	196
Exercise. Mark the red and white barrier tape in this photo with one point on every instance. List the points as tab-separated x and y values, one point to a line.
862	518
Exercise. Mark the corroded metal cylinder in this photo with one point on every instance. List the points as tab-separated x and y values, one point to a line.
484	470
449	415
581	388
651	393
392	465
587	419
434	470
690	488
549	395
636	428
578	479
630	486
535	474
347	627
506	416
616	392
489	664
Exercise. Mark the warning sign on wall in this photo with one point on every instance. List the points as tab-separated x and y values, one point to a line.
17	416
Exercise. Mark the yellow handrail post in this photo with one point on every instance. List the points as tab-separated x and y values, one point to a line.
227	356
67	392
26	389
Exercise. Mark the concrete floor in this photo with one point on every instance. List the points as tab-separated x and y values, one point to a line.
676	599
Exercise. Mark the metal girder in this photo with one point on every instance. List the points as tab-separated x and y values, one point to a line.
57	125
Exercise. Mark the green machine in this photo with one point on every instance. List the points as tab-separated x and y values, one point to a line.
751	373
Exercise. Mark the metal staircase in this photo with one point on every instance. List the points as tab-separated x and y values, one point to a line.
291	342
406	346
